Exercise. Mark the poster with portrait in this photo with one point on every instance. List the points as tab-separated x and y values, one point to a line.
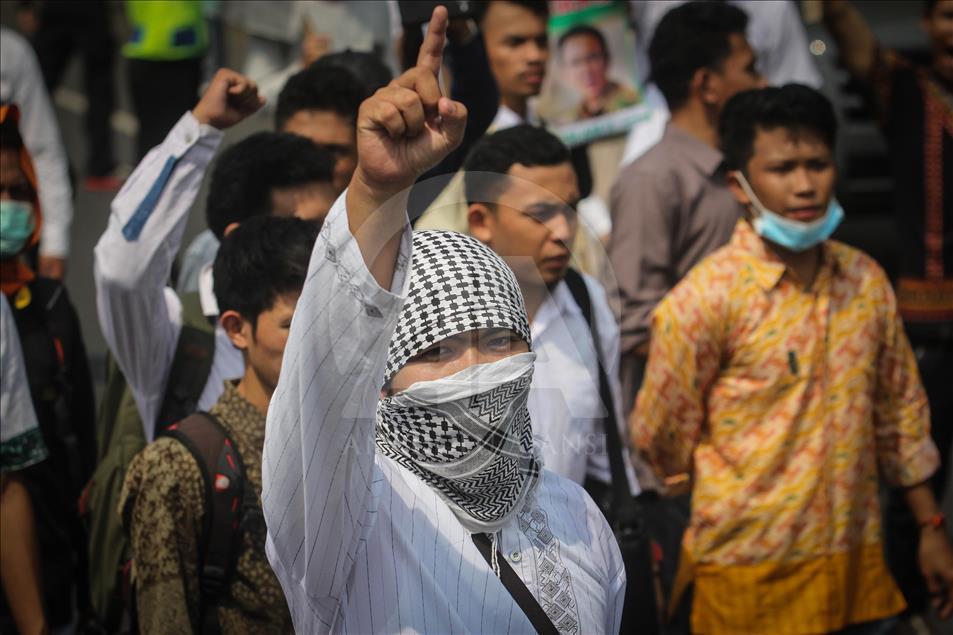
591	89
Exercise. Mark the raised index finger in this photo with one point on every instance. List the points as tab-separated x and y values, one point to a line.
431	51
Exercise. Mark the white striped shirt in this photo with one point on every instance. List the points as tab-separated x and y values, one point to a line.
361	545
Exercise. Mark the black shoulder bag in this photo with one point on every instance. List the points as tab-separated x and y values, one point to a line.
621	509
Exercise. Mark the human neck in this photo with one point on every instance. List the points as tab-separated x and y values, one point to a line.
805	264
693	119
515	103
533	297
253	390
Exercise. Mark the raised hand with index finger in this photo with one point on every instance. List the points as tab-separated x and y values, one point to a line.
403	130
407	127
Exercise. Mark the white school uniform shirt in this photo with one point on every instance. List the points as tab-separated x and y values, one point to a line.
360	544
21	83
564	401
140	316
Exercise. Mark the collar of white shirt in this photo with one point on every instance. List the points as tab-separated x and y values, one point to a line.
558	302
507	118
207	292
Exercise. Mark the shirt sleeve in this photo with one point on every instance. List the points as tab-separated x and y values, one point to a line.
641	249
318	467
21	443
162	507
41	135
782	45
684	360
140	317
906	453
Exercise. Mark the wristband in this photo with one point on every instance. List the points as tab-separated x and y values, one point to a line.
936	521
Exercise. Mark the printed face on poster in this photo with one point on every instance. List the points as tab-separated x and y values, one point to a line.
591	88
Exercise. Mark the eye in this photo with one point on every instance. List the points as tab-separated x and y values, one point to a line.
502	341
432	354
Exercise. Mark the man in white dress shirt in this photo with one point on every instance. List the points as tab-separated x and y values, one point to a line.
522	193
141	317
398	438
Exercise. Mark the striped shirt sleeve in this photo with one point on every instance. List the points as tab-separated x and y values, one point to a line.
318	462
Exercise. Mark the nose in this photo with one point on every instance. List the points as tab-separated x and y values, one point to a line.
536	54
562	227
803	183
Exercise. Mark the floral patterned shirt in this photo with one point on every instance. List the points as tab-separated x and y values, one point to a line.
163	504
785	404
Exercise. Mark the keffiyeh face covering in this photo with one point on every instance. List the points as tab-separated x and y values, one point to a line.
468	436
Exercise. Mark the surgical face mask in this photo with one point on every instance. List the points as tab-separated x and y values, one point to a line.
17	223
787	233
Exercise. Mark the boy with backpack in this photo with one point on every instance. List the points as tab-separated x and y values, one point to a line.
190	500
61	388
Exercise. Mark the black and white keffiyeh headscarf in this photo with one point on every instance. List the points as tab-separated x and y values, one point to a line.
468	435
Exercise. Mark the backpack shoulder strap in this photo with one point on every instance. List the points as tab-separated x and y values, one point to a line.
191	364
224	475
620	482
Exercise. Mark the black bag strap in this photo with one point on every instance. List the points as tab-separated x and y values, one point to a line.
224	475
517	588
191	364
623	506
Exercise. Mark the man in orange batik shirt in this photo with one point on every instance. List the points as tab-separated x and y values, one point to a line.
780	377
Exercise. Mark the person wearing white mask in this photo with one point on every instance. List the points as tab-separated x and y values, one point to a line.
401	488
779	374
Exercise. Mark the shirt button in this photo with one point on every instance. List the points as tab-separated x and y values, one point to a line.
516	556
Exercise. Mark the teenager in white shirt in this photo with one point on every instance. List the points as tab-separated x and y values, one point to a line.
398	437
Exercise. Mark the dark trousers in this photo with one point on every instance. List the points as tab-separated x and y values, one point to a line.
161	93
68	27
935	361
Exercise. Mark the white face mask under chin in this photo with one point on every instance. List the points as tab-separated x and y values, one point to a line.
791	234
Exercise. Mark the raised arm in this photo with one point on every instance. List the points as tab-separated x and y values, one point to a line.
855	41
139	316
319	477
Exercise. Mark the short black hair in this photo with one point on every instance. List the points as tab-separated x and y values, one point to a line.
261	260
689	37
585	29
539	8
366	67
246	173
498	152
794	107
324	87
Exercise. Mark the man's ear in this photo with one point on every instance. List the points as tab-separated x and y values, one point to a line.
237	328
731	178
230	228
482	222
704	85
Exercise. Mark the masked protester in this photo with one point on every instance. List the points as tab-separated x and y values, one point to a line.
59	378
779	374
401	488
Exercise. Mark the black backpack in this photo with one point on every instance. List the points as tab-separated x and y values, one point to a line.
119	430
230	506
61	389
